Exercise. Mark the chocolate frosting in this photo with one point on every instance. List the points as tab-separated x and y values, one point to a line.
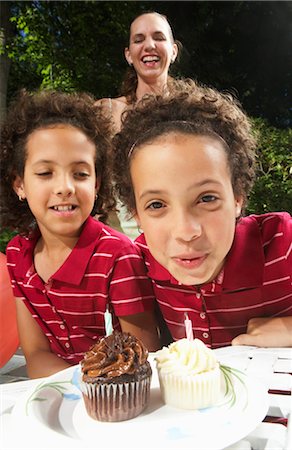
114	355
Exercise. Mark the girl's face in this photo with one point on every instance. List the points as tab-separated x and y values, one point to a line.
151	47
185	204
59	181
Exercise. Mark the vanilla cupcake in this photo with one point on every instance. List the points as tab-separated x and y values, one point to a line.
189	375
116	378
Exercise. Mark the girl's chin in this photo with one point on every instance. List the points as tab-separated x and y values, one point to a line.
191	280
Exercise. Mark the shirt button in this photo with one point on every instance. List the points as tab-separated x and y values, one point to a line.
67	344
62	327
205	335
203	315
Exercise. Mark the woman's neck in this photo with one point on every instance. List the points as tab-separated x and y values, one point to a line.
158	86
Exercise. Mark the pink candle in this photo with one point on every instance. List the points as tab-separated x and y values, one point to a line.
189	328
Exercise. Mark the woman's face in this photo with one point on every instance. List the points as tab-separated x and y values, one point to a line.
151	49
185	204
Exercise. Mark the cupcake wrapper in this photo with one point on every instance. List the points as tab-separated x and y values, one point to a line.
115	402
191	392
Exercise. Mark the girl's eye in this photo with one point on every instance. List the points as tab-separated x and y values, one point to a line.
208	198
43	174
81	175
155	205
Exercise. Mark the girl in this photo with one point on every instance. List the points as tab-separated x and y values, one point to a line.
184	166
67	268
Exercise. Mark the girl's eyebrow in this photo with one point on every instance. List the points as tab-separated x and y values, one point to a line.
195	185
51	161
151	192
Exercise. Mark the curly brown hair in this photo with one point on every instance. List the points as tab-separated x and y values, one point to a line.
130	80
33	110
189	109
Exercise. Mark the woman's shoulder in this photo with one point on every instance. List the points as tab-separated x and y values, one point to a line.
110	103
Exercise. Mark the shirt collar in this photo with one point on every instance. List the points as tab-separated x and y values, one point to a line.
245	262
73	271
77	262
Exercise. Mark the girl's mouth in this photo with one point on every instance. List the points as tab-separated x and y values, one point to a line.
189	263
63	208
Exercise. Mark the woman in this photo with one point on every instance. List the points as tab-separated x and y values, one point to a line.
151	51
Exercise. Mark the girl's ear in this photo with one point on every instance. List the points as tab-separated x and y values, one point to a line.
136	217
18	187
128	56
238	206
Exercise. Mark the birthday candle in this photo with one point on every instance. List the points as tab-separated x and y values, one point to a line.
108	322
189	328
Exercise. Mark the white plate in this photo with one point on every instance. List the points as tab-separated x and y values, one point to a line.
56	408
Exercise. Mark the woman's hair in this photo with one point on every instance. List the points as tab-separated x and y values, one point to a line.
130	80
189	109
45	109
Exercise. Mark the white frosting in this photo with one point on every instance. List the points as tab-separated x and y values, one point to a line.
186	357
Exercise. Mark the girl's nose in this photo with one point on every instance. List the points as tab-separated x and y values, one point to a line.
64	186
187	228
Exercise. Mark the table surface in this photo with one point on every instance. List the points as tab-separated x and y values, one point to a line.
273	366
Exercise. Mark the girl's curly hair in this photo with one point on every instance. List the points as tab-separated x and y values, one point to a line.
190	108
33	110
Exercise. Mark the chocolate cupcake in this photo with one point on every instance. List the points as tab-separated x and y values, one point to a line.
116	378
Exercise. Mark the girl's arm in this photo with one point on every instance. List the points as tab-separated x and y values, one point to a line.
144	327
40	361
267	332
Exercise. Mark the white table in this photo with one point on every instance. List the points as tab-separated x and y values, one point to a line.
273	366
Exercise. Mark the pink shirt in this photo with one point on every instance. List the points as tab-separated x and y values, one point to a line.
255	282
104	268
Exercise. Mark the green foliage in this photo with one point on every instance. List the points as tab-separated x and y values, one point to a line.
70	45
5	237
273	187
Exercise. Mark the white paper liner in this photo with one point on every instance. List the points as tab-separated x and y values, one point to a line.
191	391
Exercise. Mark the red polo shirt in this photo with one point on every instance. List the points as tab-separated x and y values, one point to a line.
104	268
255	282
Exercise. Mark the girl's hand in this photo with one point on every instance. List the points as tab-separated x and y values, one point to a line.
267	332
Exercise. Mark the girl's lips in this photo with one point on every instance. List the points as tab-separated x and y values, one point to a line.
189	263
